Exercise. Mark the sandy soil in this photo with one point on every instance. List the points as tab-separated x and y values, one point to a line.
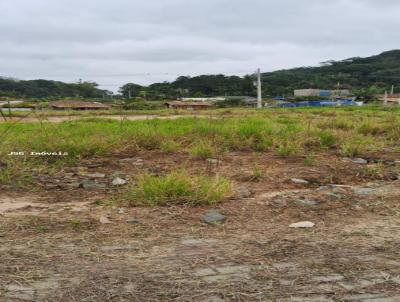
54	248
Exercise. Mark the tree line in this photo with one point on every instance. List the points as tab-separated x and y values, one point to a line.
362	75
42	89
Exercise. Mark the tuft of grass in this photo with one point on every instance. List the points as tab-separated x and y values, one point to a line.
327	139
76	223
257	173
288	148
203	150
355	146
262	145
170	146
42	229
310	160
369	128
179	188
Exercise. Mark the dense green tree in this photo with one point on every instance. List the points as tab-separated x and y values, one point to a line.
130	90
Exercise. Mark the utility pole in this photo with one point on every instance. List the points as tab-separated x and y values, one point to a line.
259	96
392	91
385	101
337	94
9	107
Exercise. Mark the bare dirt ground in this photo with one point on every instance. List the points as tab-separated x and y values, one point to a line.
54	248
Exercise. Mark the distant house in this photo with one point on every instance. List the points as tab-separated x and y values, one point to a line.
205	99
321	93
5	103
78	105
188	105
391	98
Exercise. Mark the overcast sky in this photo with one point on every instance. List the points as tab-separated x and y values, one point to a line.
119	41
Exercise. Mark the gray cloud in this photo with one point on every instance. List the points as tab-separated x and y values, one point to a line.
113	42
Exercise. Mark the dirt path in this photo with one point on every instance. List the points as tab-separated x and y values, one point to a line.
167	254
58	119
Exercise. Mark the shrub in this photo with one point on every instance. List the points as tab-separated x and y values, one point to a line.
179	188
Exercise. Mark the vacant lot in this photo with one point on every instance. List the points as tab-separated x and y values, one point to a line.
117	213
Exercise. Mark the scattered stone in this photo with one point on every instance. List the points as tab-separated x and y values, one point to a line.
133	221
306	202
302	224
280	201
299	181
214	217
204	272
50	186
339	190
323	188
105	220
128	160
333	196
119	181
364	191
121	210
96	175
243	192
194	241
135	161
112	248
119	174
226	278
360	161
68	175
212	161
72	185
94	165
367	297
329	278
90	184
233	269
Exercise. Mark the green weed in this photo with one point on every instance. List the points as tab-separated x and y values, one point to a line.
179	188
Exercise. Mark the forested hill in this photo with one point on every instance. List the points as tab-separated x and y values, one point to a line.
48	89
381	71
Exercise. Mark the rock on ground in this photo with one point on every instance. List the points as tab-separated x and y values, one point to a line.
307	202
299	181
214	217
119	181
302	224
243	192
